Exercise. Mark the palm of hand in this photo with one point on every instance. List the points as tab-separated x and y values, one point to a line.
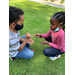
30	41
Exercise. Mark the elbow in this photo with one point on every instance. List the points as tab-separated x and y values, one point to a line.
20	49
59	47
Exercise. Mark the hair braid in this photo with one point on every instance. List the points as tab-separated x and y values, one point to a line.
60	16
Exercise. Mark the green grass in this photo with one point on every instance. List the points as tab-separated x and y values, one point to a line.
37	18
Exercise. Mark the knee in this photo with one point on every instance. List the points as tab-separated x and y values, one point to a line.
45	52
30	55
27	45
23	36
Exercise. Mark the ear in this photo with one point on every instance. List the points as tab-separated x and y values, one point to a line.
61	24
13	24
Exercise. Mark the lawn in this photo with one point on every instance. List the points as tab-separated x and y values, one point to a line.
37	18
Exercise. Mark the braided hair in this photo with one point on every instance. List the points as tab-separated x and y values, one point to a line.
60	16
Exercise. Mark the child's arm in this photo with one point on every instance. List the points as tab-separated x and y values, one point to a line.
43	35
37	35
21	39
24	42
23	45
46	35
60	42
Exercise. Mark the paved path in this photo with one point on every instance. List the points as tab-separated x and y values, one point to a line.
50	4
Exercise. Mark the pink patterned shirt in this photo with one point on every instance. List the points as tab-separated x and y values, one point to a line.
58	39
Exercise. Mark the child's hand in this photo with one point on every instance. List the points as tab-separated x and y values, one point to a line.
37	35
30	41
27	35
44	42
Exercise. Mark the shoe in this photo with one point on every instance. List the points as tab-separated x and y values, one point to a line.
56	57
12	58
31	50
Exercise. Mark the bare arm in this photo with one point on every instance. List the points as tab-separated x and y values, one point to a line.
24	41
21	39
23	45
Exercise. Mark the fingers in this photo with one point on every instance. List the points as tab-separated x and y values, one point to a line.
30	41
34	35
28	35
37	35
42	42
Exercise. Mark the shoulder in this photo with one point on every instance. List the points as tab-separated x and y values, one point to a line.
61	33
12	34
14	43
12	38
50	31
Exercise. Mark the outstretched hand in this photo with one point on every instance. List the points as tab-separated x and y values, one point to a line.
44	42
37	35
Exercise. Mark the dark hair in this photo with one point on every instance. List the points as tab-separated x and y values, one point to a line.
14	14
60	16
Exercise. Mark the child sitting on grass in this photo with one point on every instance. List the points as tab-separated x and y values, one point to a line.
18	46
55	37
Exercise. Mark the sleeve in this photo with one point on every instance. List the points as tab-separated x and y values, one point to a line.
46	35
60	42
14	44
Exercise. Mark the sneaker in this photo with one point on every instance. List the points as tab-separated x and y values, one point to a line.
12	58
31	50
56	57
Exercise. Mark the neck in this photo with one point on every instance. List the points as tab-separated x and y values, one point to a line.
57	29
12	29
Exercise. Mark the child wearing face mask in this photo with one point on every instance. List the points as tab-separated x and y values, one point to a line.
18	46
55	36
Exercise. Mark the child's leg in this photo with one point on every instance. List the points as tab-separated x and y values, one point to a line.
26	53
49	39
51	52
27	45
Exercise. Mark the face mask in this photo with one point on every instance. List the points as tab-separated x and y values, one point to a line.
18	27
57	29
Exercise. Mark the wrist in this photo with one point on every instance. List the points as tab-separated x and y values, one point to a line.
40	35
26	39
47	42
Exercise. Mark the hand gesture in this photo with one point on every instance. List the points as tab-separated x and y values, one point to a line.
44	42
37	35
27	35
30	41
